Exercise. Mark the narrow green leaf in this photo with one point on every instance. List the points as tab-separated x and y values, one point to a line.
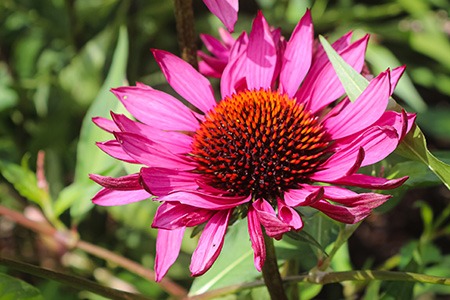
414	147
354	84
15	289
89	158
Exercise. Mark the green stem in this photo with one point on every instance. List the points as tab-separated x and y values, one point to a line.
184	16
270	272
70	280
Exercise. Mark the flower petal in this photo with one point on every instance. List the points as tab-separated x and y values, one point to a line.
105	124
210	243
171	215
257	238
261	55
365	111
109	197
162	181
234	73
206	201
225	10
297	56
168	245
113	148
177	142
342	163
124	183
156	108
185	80
267	216
370	182
149	153
289	216
322	85
303	196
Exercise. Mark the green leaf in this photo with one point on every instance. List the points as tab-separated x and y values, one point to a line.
414	147
89	158
15	289
234	264
354	84
24	181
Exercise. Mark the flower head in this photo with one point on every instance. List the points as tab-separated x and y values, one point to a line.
283	135
225	10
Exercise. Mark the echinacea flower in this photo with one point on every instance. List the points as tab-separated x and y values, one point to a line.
283	135
225	10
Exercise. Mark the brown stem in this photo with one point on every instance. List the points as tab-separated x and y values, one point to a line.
69	240
184	17
270	272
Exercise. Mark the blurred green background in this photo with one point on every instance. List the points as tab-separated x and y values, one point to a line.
55	56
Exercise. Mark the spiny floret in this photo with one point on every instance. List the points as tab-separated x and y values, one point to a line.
259	142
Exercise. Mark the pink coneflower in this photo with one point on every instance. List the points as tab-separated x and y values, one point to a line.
225	10
283	135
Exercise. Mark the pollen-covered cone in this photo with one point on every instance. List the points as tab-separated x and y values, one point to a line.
283	135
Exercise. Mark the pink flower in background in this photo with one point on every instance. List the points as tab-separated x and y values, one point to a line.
225	10
283	135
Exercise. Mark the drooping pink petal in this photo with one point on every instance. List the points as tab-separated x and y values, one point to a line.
268	218
360	206
257	238
225	10
303	196
168	245
261	55
289	216
109	197
105	124
322	85
210	243
351	199
365	111
396	73
171	215
342	163
370	182
177	142
113	148
185	80
162	181
156	108
149	153
207	201
297	56
124	183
